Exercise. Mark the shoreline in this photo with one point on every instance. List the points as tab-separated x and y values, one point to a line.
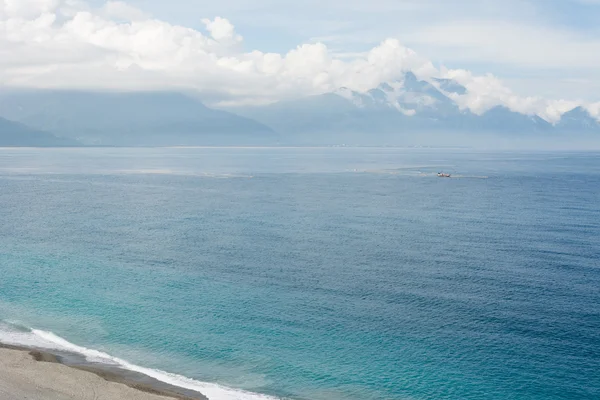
84	373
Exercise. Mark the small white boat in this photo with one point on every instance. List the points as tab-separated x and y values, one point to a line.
443	175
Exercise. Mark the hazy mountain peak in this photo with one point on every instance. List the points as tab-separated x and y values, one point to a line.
409	96
345	93
451	86
578	119
410	78
577	112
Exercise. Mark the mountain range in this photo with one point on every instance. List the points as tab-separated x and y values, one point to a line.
17	134
408	110
130	119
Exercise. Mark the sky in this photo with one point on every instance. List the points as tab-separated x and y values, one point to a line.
533	56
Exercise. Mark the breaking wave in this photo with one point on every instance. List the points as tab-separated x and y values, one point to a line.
18	335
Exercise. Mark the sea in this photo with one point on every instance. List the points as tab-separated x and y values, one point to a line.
310	273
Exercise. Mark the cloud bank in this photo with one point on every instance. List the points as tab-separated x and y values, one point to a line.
70	44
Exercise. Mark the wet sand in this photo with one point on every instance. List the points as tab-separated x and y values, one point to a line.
40	375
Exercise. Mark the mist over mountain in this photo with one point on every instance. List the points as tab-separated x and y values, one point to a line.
404	111
134	118
578	120
16	134
408	111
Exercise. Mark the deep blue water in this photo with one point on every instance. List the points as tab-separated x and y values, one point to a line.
314	273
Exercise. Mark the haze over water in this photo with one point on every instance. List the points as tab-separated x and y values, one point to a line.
313	273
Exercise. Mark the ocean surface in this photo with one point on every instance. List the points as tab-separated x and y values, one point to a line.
309	273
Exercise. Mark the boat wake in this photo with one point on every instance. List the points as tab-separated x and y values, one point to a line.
18	335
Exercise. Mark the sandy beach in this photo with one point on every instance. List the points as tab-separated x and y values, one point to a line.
35	375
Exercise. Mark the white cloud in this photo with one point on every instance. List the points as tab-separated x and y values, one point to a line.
487	91
171	55
222	30
26	8
68	44
594	109
123	11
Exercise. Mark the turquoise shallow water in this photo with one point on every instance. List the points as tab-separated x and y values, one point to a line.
312	273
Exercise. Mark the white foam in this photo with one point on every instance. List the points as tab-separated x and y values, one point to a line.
49	341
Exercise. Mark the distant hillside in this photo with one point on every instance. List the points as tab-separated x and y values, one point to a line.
16	134
578	120
141	118
402	112
408	111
